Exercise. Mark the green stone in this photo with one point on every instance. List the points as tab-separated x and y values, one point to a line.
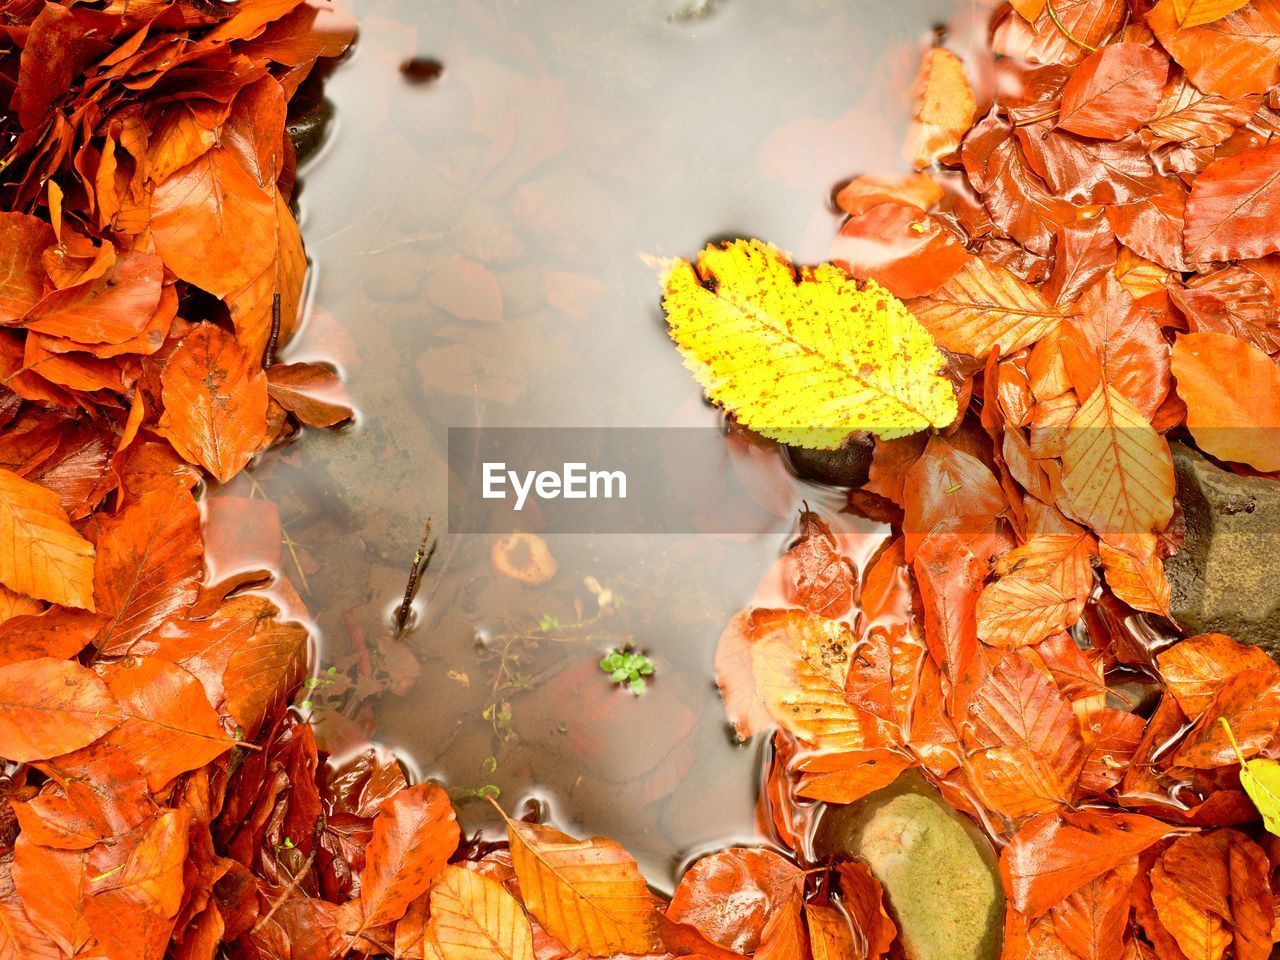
939	872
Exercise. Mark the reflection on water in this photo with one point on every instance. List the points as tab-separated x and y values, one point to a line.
476	217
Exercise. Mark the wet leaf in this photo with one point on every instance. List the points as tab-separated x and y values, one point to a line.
1234	56
745	318
41	554
944	109
215	402
730	896
474	918
49	707
1232	393
1232	205
589	894
1114	91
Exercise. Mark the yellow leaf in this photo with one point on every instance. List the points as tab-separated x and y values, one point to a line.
1260	778
41	555
1196	13
800	662
1116	470
804	355
985	307
945	109
1135	573
588	894
474	918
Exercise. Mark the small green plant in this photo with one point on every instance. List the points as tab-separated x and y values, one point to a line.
629	667
548	623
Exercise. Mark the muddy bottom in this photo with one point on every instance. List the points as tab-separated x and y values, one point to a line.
476	216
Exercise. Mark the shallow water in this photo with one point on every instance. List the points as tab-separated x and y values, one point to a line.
476	239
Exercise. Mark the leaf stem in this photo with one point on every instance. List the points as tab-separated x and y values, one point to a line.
1226	725
1053	15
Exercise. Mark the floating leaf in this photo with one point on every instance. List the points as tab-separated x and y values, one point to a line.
944	109
804	356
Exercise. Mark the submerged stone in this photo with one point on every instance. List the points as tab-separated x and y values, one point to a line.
1226	576
938	871
847	466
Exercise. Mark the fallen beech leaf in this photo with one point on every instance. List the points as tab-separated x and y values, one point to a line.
758	882
1231	57
1248	701
1260	778
213	224
41	555
169	726
863	900
750	325
312	393
1042	590
50	707
985	307
737	685
59	632
415	833
1117	471
1135	572
830	935
474	918
22	241
915	189
1196	13
1232	393
1114	91
1190	117
1195	670
150	560
589	894
784	936
111	308
53	885
1028	750
799	662
900	248
1056	854
817	576
215	402
944	109
1092	921
1234	205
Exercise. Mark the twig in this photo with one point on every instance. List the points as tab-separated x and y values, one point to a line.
420	560
294	879
269	355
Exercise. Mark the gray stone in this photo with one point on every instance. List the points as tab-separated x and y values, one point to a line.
1226	576
938	871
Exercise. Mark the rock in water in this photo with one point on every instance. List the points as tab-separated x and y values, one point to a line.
938	871
847	466
1226	577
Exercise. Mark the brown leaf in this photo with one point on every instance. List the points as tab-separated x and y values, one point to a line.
1232	57
944	109
1233	206
22	277
309	391
760	882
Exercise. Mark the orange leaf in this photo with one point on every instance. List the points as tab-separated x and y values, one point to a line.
1092	920
22	277
150	559
40	554
985	307
474	918
1114	91
312	393
1042	589
415	833
1117	471
1196	669
1056	854
1196	13
1135	572
1231	57
760	882
1232	393
111	308
215	402
944	112
50	707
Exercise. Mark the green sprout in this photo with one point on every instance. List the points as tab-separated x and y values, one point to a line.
548	623
628	667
